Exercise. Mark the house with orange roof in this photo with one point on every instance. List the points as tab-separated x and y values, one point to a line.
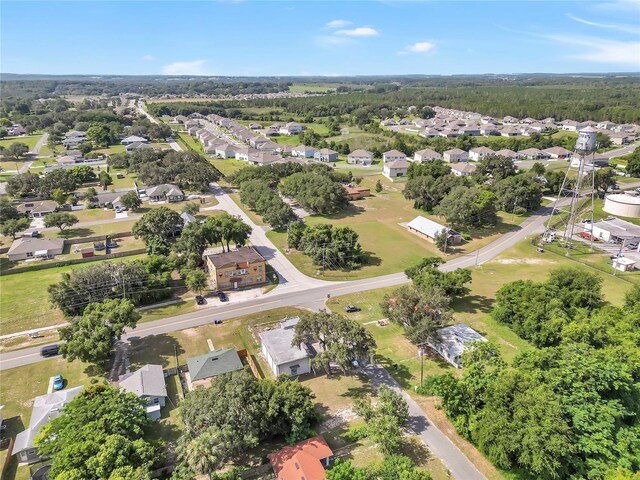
303	461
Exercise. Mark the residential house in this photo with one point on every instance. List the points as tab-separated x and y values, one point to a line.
37	209
356	193
225	151
73	139
558	152
451	342
180	118
265	158
505	152
509	132
27	247
509	120
569	125
243	267
534	154
360	157
455	155
478	153
286	150
325	155
306	460
132	147
427	228
105	199
303	151
388	122
489	130
549	121
393	155
255	126
395	169
133	139
463	169
282	357
426	155
246	154
449	133
255	142
619	138
203	368
147	383
272	147
68	160
166	191
187	218
16	130
45	408
472	130
429	133
291	128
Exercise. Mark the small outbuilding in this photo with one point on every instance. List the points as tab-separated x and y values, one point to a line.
451	342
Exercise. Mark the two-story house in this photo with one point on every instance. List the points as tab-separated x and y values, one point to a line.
243	267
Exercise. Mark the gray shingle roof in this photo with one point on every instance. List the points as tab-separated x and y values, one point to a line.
147	381
213	364
278	343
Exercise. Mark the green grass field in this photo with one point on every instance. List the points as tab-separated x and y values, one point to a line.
389	246
29	140
227	166
313	88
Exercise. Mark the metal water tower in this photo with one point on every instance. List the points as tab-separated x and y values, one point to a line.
569	206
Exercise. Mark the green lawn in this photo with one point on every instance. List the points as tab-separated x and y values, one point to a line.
313	88
228	166
24	301
110	150
26	383
190	142
29	140
389	246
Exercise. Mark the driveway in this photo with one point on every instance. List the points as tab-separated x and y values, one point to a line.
437	442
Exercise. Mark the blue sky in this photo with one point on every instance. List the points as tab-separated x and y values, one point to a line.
319	38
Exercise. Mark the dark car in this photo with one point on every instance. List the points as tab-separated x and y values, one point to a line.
615	187
50	350
351	309
217	321
223	296
200	300
112	244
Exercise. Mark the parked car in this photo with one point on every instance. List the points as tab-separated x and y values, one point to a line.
98	246
217	321
200	300
615	187
587	236
50	350
112	244
119	175
193	197
351	309
58	382
223	296
35	234
617	255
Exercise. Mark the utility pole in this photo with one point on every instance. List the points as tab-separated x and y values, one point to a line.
421	355
477	257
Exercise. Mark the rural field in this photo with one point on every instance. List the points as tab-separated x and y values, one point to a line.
389	247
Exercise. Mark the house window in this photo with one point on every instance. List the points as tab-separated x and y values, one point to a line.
258	278
244	271
260	268
29	254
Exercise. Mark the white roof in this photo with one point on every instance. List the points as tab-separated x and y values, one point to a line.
425	226
456	338
278	343
45	408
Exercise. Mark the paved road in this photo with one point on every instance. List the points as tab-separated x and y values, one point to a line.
41	141
437	442
619	152
309	293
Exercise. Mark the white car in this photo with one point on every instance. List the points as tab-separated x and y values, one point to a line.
193	197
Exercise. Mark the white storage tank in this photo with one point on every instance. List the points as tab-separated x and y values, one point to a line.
622	205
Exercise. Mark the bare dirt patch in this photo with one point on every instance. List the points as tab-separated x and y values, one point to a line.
523	261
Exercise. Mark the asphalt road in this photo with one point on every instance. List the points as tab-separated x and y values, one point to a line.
312	294
437	442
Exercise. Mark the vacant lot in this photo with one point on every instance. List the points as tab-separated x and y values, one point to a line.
28	140
388	245
24	302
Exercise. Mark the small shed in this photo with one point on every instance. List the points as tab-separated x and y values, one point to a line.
87	252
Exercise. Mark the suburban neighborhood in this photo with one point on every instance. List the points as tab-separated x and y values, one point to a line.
241	270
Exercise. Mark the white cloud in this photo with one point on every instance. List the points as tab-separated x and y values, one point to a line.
330	40
148	58
418	47
338	24
621	28
359	32
599	50
196	67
